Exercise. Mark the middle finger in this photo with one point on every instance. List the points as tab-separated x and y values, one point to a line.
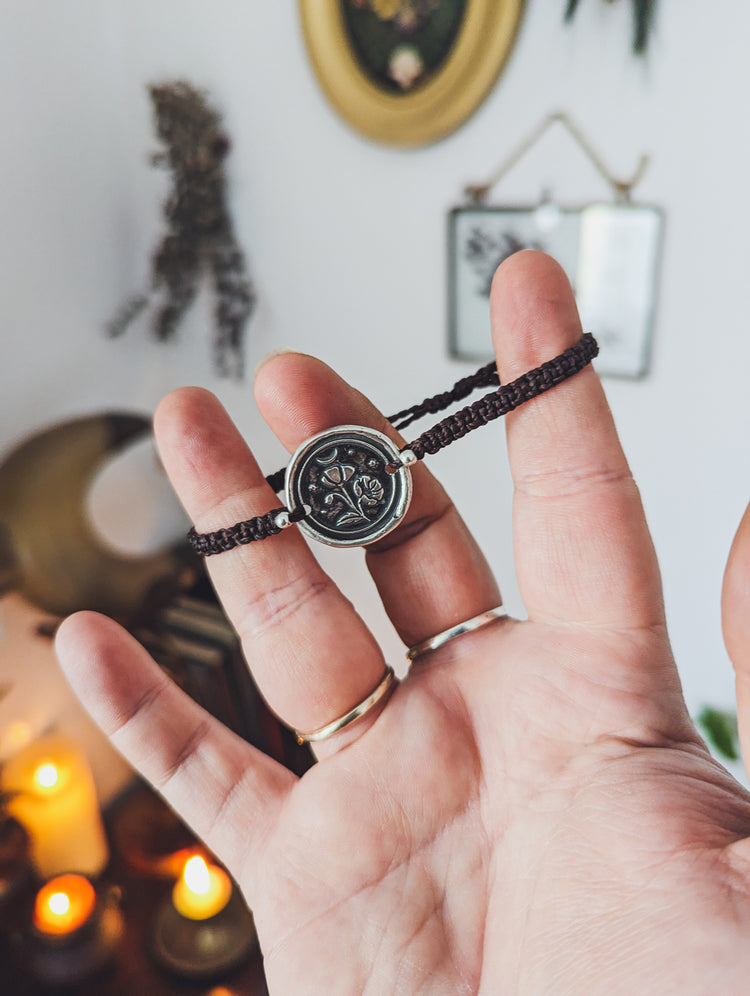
429	572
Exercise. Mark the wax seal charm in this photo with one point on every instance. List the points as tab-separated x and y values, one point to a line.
346	477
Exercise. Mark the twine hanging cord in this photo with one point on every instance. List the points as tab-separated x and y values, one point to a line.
493	405
622	188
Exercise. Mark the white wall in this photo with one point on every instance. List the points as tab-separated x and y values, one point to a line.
346	241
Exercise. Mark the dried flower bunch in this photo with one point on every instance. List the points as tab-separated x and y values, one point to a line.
200	235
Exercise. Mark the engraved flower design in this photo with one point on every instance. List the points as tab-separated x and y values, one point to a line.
366	493
338	474
369	490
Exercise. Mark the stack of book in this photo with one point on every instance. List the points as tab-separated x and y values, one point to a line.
195	643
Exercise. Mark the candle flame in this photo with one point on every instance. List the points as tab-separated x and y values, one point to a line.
64	904
196	875
46	775
59	903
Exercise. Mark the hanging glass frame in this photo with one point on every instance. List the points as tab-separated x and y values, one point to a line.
610	253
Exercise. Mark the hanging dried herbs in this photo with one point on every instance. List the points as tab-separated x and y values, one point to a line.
200	238
643	19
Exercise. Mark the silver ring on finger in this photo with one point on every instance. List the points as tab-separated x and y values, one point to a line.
468	626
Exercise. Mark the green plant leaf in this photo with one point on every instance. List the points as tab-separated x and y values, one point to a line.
720	729
643	11
643	19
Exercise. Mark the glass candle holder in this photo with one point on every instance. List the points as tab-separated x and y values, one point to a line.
75	930
204	928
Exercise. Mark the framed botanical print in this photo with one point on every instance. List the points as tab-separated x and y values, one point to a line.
408	72
610	253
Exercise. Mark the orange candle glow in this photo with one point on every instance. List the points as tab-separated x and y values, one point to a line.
56	802
202	891
64	904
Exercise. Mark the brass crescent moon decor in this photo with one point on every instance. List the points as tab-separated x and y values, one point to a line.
49	551
408	72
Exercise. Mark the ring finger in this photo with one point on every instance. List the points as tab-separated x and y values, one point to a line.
311	654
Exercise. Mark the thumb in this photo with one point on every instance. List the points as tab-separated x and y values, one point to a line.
735	619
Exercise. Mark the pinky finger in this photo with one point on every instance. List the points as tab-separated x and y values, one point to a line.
226	790
735	613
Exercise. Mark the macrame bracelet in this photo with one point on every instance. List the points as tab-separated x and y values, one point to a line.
261	527
349	486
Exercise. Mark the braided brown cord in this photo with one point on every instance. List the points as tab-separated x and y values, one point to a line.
486	409
277	480
484	377
258	528
506	398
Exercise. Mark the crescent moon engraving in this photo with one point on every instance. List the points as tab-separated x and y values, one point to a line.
324	460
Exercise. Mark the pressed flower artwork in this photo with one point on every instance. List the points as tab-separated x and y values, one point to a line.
401	44
408	72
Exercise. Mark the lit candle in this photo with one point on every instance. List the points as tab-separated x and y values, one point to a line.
57	804
206	927
202	891
63	905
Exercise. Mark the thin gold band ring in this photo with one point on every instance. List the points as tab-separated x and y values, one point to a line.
385	685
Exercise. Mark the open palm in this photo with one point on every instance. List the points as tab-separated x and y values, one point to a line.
531	811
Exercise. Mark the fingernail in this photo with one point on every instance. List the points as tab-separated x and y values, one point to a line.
269	356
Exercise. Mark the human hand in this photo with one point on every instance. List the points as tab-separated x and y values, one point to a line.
532	810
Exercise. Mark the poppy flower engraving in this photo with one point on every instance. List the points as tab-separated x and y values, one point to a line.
350	507
337	474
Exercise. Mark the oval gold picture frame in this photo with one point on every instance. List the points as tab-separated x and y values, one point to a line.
435	109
